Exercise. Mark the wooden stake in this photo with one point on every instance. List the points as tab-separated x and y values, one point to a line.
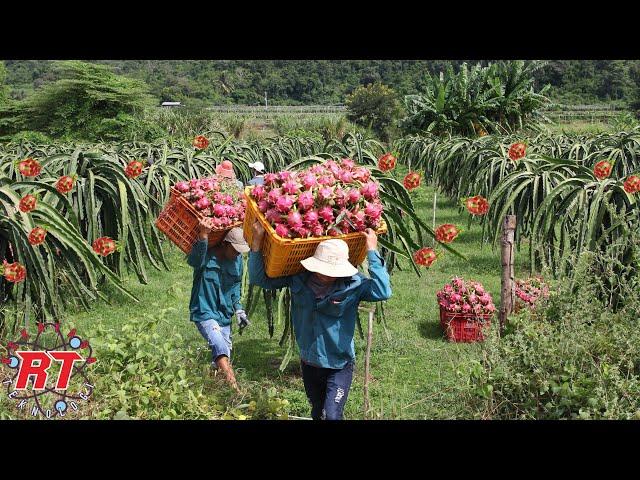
507	294
367	360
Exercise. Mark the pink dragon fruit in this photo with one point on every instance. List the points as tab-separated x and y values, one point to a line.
203	203
362	174
302	232
294	219
340	197
258	192
194	183
473	298
345	176
311	218
326	214
369	190
182	187
263	206
348	163
333	167
285	175
228	199
218	210
325	193
466	308
284	204
216	222
274	195
309	180
354	195
305	200
271	179
326	180
317	230
273	216
290	187
282	231
373	210
198	193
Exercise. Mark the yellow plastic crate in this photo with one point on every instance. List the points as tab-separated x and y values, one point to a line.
282	255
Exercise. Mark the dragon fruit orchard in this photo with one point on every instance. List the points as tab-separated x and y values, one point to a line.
331	198
215	197
465	297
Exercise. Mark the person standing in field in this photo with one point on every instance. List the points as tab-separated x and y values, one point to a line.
257	173
216	291
324	308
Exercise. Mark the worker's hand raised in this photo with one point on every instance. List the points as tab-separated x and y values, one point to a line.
258	235
205	228
372	239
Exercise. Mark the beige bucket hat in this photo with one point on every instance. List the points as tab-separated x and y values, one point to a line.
236	238
331	258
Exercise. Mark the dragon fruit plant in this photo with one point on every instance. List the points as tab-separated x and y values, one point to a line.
332	198
213	197
465	297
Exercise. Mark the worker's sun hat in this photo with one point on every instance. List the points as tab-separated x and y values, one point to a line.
236	238
259	166
331	258
225	169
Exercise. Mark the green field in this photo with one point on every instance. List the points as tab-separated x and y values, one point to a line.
414	369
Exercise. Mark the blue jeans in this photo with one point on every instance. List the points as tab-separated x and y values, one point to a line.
218	338
327	390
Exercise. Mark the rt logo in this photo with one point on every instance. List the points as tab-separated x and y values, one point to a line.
46	375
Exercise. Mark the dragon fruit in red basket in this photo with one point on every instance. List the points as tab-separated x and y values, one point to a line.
465	297
331	198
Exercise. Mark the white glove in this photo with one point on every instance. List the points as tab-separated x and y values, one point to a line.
243	320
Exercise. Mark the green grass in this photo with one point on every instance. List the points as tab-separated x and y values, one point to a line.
413	367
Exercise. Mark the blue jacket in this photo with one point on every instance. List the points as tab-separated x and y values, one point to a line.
216	290
324	329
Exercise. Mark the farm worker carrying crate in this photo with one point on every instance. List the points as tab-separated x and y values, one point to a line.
324	304
216	290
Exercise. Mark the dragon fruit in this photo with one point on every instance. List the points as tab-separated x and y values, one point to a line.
282	231
290	187
305	200
325	194
294	219
354	195
311	218
258	192
270	179
182	187
326	214
284	204
369	190
309	180
263	206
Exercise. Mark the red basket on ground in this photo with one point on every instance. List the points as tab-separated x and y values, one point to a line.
464	327
179	222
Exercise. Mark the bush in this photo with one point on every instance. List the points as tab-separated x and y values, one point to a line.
571	358
499	98
86	102
376	107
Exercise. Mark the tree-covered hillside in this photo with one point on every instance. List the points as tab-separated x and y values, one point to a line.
207	82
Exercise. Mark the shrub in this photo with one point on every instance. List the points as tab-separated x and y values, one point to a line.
498	98
572	358
374	106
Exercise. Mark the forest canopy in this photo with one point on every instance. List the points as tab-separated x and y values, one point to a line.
199	83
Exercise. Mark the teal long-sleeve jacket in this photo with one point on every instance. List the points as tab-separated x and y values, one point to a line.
325	329
216	290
